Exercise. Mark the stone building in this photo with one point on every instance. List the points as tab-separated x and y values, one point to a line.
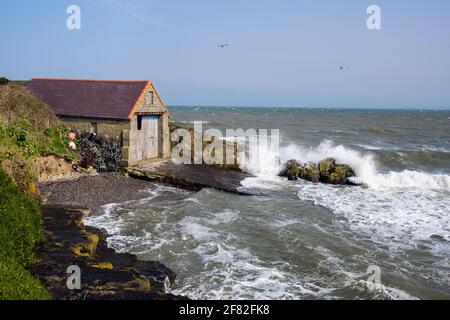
132	111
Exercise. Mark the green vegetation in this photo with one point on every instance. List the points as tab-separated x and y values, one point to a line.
20	230
28	131
22	138
3	81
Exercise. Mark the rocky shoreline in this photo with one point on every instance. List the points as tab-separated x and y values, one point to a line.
105	274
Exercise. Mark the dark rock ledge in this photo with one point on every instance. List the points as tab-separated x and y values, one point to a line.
191	176
105	274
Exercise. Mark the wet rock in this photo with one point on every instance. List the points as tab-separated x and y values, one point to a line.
341	174
310	172
291	170
326	168
191	176
326	171
105	274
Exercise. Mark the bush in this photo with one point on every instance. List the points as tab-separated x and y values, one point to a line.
57	143
31	142
3	81
21	137
21	228
29	127
21	144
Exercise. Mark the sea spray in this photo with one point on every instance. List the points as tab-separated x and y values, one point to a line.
364	165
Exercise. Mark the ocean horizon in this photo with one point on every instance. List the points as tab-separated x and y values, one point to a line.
322	108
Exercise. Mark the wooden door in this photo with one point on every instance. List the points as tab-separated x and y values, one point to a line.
150	129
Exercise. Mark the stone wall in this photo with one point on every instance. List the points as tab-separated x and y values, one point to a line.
105	127
117	129
152	102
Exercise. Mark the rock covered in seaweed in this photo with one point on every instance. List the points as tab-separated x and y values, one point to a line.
291	170
326	171
105	274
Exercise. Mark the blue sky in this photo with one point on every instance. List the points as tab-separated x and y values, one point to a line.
282	53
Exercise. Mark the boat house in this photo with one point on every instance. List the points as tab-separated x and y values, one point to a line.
132	111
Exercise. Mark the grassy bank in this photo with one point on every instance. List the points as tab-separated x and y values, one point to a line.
28	131
20	230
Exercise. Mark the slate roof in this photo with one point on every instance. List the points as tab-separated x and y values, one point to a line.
91	98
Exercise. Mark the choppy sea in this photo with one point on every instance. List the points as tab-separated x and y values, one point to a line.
299	240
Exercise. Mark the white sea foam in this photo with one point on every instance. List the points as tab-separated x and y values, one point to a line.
417	149
378	291
398	210
370	147
435	149
399	207
406	179
114	222
193	227
397	218
225	216
241	274
268	182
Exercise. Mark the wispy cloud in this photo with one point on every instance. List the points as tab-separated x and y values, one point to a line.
136	9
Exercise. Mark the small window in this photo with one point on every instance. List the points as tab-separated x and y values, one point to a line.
94	127
139	123
152	101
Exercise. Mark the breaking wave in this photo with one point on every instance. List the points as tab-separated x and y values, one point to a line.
398	208
267	164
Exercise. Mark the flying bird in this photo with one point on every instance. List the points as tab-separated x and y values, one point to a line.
223	45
